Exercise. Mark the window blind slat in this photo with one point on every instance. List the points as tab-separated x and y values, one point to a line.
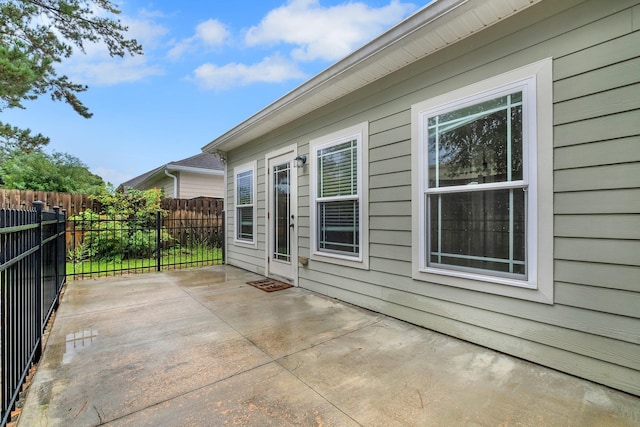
245	188
337	166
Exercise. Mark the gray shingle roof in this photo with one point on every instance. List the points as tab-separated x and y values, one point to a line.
205	161
200	161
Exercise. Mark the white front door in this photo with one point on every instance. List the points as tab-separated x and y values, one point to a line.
282	185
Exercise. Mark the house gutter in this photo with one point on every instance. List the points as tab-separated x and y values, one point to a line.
175	183
193	170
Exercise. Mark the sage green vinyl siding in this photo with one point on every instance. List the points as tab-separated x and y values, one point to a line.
592	329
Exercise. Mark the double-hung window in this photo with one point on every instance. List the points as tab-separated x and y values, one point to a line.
476	188
338	206
478	204
245	196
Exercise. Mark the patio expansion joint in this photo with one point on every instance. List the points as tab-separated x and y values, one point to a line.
120	307
253	368
272	360
310	386
187	393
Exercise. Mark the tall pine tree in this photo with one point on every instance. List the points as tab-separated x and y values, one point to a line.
35	35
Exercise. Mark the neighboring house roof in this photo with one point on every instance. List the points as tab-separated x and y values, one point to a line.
435	26
203	163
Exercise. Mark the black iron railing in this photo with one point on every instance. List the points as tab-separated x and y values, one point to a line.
100	245
32	261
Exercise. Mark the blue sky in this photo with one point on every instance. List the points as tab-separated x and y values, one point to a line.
208	65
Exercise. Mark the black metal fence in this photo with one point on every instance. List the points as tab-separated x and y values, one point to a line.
32	273
40	249
100	245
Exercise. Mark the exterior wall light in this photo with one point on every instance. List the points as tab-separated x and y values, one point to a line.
300	161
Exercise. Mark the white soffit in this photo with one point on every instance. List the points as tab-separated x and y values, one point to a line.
434	27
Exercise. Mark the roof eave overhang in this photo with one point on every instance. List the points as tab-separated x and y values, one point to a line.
440	24
159	173
191	169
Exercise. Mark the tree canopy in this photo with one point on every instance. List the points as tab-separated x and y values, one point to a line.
40	171
35	35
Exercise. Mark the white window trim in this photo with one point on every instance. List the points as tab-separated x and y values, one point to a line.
538	286
252	166
360	132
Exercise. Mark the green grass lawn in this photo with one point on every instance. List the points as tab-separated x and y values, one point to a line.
170	259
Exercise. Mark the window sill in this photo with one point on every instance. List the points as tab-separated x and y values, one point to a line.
346	261
512	288
247	243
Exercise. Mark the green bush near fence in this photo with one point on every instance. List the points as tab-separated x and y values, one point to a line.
114	238
124	228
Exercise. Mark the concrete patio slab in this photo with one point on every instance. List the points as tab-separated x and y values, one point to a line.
202	348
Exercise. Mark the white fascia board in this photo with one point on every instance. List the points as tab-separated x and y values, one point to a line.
192	169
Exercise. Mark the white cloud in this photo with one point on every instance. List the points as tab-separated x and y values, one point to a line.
210	33
145	31
111	72
326	33
273	69
95	67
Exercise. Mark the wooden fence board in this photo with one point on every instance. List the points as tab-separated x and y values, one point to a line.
76	203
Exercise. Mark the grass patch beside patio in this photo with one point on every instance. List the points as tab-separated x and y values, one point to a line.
173	258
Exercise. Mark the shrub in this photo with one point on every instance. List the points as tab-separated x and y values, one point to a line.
125	227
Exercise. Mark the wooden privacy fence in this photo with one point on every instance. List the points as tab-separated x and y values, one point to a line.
73	204
23	199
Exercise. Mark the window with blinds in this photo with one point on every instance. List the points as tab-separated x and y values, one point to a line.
245	196
337	199
339	220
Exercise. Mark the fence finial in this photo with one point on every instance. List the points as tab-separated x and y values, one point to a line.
38	205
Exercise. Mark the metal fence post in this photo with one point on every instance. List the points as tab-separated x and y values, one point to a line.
56	254
38	278
158	242
222	238
62	240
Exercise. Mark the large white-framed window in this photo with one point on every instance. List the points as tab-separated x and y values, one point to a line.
339	197
482	185
245	200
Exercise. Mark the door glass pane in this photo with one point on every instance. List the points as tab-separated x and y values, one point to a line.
477	144
282	212
480	230
339	228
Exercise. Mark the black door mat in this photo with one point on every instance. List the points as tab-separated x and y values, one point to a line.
269	285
